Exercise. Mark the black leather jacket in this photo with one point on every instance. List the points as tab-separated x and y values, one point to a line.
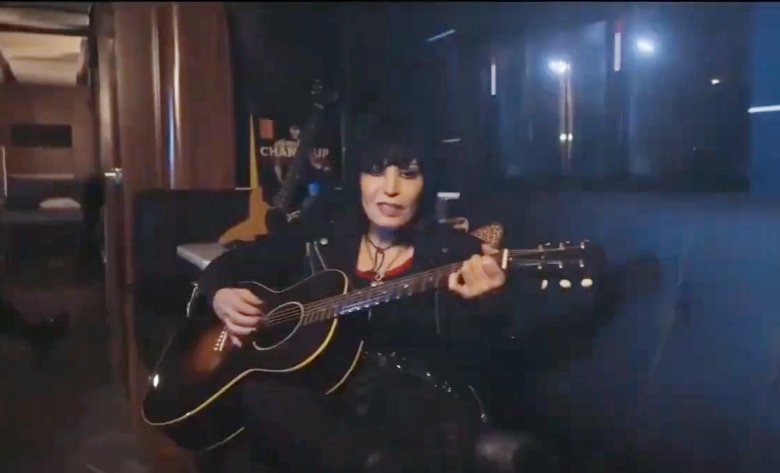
421	325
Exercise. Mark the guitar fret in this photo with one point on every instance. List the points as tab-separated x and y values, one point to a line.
387	291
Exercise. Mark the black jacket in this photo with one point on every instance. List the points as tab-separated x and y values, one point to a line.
410	326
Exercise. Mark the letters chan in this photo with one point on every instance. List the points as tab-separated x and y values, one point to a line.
289	152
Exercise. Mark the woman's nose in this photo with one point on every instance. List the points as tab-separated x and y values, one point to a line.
391	181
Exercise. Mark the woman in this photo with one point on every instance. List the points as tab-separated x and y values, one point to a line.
376	422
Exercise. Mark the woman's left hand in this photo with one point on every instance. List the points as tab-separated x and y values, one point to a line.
480	274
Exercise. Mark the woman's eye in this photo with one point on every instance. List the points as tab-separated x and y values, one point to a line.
410	173
376	170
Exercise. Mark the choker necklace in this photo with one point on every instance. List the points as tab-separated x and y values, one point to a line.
379	269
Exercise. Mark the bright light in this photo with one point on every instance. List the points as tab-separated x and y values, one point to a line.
645	46
440	36
715	81
559	67
493	78
764	109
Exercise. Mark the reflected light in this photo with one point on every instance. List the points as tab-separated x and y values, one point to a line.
559	67
764	109
440	36
715	81
645	46
493	78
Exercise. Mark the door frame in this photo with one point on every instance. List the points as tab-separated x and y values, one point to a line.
108	156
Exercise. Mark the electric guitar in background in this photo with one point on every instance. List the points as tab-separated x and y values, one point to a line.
264	219
305	338
280	214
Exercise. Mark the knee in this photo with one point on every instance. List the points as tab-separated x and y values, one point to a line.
508	452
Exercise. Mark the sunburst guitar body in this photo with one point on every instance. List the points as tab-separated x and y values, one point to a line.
191	395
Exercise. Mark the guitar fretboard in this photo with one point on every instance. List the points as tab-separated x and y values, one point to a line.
381	293
437	278
400	288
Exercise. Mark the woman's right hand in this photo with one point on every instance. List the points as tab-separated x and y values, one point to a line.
239	309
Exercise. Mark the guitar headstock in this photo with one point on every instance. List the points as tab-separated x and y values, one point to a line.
567	262
320	96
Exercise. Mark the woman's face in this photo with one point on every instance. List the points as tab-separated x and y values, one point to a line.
390	195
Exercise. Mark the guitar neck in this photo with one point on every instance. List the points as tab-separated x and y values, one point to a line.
407	286
283	197
379	294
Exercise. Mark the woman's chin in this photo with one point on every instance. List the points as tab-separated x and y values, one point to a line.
389	223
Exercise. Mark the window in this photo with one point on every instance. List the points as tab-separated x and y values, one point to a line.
41	136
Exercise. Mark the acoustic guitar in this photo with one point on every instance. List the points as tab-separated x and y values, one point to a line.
307	337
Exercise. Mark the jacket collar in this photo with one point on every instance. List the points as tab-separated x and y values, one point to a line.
339	246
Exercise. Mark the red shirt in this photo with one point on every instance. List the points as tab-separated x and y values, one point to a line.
397	271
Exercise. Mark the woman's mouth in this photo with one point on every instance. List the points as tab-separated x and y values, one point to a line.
390	210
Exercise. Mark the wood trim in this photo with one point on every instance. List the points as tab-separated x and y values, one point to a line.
8	76
83	74
7	28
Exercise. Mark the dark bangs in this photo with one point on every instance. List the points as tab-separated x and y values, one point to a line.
380	155
393	146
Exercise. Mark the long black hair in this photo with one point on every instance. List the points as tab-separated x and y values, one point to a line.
389	140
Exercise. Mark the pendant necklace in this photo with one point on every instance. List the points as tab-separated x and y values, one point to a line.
379	268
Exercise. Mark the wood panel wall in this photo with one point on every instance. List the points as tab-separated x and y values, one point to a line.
49	105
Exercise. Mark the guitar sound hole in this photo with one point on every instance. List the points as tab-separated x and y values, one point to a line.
282	323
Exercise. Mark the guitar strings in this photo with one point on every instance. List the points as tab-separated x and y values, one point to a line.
294	313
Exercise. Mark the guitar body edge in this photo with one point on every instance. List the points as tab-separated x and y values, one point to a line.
191	396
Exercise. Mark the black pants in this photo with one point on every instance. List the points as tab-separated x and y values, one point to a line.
10	317
413	424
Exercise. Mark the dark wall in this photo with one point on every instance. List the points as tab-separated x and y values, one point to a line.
278	51
660	119
765	75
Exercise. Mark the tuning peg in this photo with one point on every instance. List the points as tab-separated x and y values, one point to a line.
544	284
565	283
586	282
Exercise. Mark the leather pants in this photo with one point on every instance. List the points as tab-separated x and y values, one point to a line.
392	417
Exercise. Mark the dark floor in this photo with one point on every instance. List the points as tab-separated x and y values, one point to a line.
61	414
